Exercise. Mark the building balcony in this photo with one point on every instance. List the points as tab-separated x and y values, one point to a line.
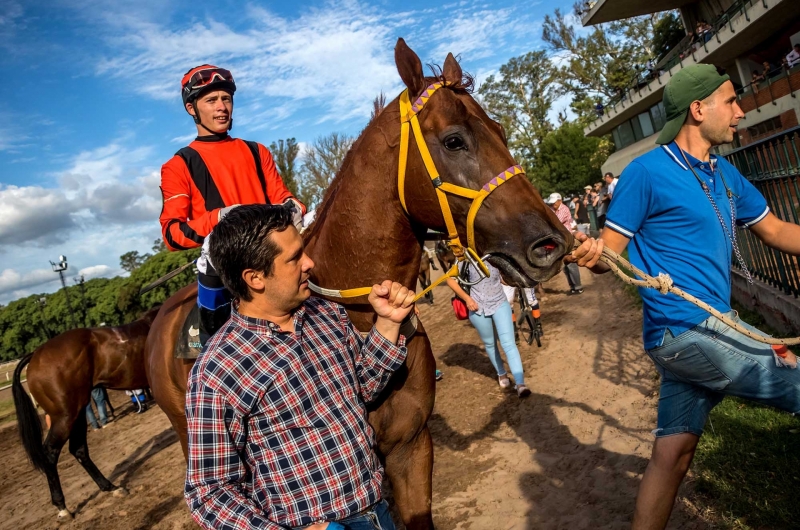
609	10
736	32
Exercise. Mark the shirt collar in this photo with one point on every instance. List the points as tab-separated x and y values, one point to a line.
262	326
674	153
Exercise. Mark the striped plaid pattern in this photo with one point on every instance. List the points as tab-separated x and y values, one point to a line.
278	432
565	216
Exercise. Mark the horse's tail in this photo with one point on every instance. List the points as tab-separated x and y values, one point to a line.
30	427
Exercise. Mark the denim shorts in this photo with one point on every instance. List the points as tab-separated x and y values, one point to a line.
711	360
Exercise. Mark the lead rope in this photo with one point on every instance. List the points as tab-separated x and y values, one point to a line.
663	284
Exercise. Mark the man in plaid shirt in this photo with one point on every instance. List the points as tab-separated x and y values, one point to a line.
278	431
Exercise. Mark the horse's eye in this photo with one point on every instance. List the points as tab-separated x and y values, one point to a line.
454	143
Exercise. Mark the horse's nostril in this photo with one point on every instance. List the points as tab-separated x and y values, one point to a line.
544	251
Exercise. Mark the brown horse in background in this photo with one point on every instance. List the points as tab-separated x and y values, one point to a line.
61	375
444	255
424	276
363	236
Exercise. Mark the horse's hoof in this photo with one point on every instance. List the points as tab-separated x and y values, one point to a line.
64	515
120	492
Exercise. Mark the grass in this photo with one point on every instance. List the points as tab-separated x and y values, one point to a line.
7	410
747	464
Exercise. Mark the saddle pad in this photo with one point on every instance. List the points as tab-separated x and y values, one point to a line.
188	345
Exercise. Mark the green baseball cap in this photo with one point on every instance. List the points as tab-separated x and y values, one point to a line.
693	83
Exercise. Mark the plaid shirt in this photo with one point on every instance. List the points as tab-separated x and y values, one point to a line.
278	431
565	216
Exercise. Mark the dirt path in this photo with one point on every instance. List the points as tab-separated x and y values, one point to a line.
570	456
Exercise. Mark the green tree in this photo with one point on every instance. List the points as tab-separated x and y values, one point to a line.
130	261
159	246
285	153
26	323
667	33
604	63
519	98
567	160
321	162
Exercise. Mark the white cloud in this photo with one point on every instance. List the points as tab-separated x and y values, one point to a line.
97	271
11	280
35	214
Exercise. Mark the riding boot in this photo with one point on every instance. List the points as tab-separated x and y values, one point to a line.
433	266
212	320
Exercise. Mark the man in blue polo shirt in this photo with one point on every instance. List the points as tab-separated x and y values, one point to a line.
678	206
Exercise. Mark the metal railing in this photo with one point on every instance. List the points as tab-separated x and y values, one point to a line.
772	165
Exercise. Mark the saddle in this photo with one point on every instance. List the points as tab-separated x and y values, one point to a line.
189	344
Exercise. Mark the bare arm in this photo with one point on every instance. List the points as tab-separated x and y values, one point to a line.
472	305
778	234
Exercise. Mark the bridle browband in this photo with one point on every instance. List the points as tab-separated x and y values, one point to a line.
409	121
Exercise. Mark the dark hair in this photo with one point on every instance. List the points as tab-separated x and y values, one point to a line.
241	241
608	174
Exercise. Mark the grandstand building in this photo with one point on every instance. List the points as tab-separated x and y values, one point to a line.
736	35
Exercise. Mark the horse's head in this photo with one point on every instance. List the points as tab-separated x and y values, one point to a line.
522	236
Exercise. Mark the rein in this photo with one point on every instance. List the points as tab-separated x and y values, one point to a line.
663	284
409	121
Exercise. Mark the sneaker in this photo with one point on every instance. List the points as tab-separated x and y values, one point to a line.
504	381
576	291
439	375
522	391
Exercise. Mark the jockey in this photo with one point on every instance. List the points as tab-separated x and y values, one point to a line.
212	175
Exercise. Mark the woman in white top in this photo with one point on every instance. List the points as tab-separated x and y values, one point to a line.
488	305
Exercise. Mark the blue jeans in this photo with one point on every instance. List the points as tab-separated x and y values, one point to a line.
505	332
100	401
376	518
704	364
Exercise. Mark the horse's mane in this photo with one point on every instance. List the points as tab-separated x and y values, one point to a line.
465	85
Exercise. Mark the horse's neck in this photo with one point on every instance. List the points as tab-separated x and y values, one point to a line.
365	237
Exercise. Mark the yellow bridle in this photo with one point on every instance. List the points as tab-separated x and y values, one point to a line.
409	121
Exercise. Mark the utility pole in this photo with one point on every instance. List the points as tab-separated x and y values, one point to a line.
60	267
42	303
79	282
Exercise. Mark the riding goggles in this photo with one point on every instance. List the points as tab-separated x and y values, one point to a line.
203	78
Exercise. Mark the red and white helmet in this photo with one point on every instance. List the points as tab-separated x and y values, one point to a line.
203	78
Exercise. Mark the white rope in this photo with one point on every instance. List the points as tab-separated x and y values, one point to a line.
664	285
336	293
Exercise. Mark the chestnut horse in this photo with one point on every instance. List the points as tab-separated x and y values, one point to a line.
61	375
363	235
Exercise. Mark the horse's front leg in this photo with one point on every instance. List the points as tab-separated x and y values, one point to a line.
410	468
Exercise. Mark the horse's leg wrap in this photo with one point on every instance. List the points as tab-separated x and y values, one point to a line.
410	468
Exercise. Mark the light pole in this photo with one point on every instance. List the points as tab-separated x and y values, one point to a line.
42	303
60	267
79	282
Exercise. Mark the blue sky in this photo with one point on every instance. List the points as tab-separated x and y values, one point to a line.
92	104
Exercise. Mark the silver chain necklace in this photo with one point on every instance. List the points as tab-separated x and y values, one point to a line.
732	232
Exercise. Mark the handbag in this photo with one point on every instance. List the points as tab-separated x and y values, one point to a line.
460	306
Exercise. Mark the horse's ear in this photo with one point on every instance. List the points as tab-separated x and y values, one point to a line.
452	70
409	67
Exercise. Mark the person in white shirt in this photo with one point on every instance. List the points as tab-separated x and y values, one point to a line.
793	58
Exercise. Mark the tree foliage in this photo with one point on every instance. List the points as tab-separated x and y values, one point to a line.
605	62
130	261
667	33
567	160
28	322
285	153
519	98
320	163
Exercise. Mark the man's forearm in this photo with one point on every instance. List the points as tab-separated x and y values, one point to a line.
786	239
388	329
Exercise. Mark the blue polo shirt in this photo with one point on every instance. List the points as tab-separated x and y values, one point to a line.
673	227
